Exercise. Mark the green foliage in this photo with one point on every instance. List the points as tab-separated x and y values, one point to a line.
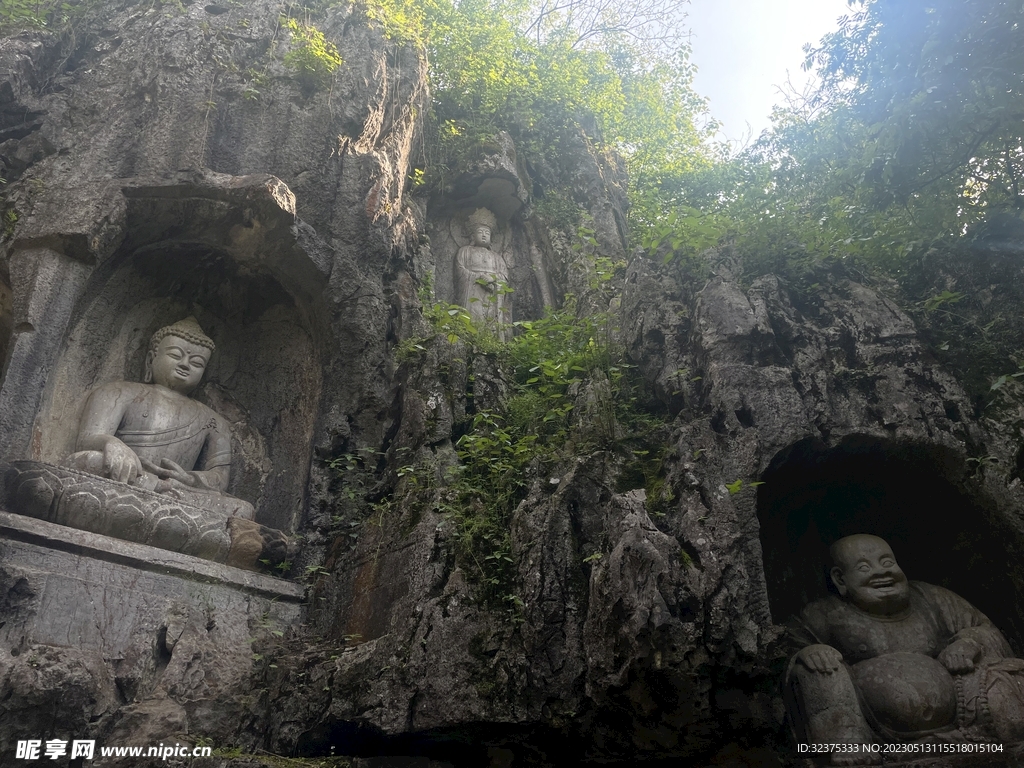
940	84
501	451
454	323
356	470
20	14
543	76
903	161
255	81
685	559
1000	382
57	15
10	221
946	297
312	56
402	20
682	233
914	139
737	485
559	210
977	338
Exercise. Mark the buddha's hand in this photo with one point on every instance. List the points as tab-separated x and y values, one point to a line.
120	462
823	659
169	471
960	655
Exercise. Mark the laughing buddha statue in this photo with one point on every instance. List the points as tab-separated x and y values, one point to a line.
890	660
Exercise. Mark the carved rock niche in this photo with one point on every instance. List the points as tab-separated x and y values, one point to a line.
238	262
922	499
94	273
491	177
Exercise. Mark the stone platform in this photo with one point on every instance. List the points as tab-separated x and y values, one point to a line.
66	587
113	640
215	530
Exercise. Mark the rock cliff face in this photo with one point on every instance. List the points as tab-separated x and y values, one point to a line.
164	159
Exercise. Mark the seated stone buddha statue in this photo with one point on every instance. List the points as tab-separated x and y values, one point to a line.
151	434
889	660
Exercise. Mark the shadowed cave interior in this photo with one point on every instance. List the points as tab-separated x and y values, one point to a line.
921	499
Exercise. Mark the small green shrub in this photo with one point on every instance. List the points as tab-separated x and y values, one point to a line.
10	221
313	57
501	453
503	449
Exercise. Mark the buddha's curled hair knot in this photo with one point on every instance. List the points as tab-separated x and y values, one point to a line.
187	329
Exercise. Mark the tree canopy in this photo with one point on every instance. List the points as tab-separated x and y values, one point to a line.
538	68
914	136
940	83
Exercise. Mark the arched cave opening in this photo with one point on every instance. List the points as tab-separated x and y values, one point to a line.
917	497
264	377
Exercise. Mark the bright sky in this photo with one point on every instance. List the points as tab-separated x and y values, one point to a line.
744	49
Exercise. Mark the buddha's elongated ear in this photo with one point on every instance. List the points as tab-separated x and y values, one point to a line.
837	578
147	375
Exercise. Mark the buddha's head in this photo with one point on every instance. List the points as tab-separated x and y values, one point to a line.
482	236
481	226
867	575
178	355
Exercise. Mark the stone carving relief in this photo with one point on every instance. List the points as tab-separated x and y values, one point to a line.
889	660
152	465
481	274
152	435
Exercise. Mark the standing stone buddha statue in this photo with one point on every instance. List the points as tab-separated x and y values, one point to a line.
481	276
153	435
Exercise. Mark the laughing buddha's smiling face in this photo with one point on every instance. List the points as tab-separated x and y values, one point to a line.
866	574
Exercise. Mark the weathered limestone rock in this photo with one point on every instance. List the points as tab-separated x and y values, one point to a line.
647	626
52	692
641	619
102	638
113	240
491	177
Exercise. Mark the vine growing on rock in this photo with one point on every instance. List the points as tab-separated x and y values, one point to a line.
554	366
